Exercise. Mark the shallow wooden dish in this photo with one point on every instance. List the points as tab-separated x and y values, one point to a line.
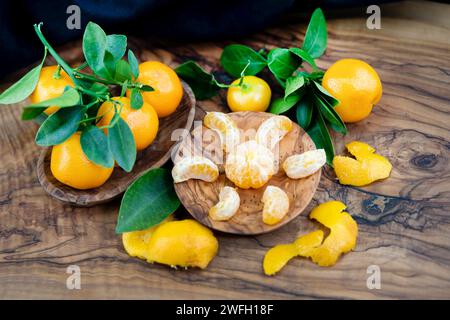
152	157
198	196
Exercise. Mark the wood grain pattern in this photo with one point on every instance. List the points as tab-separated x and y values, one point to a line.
152	157
198	196
404	222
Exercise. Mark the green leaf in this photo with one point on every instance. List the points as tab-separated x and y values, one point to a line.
330	115
236	56
202	83
134	64
315	41
136	99
24	87
304	112
94	48
328	97
293	84
69	98
318	132
147	202
122	145
116	45
123	71
95	146
282	63
146	88
59	126
304	56
281	105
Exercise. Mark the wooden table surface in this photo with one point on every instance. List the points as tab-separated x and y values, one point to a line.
404	222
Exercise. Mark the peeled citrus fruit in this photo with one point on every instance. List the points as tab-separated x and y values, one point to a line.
272	130
183	243
305	164
225	127
365	169
277	257
250	165
356	85
343	233
136	242
227	206
195	168
276	205
69	165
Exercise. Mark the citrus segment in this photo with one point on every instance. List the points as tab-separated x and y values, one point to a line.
272	130
227	206
305	164
195	168
276	205
225	127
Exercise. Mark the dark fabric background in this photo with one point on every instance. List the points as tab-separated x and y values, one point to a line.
169	19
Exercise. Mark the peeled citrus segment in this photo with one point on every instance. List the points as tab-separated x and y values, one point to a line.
225	127
136	242
272	130
250	165
342	237
227	206
305	164
365	169
277	257
183	243
195	168
276	205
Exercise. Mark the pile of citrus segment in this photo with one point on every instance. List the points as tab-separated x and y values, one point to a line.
249	165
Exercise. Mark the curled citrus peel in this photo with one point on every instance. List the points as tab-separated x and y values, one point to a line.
226	128
195	168
341	239
276	205
365	169
183	243
277	257
305	164
250	165
227	206
272	130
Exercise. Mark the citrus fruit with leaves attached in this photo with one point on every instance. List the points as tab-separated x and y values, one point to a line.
167	87
143	122
356	85
69	165
252	95
51	84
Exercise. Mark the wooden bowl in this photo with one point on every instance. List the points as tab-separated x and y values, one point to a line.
152	157
198	196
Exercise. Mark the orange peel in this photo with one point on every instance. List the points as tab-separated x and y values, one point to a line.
365	169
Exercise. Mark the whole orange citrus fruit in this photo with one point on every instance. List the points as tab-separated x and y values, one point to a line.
70	166
168	90
50	86
253	95
143	122
356	85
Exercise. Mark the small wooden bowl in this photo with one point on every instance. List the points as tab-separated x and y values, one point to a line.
198	196
152	157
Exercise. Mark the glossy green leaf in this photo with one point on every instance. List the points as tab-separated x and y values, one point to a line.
59	126
293	84
24	87
136	99
116	44
123	71
95	146
330	115
315	41
69	98
122	145
282	63
146	88
94	48
134	64
235	58
318	132
325	94
201	82
147	202
304	55
304	112
281	105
